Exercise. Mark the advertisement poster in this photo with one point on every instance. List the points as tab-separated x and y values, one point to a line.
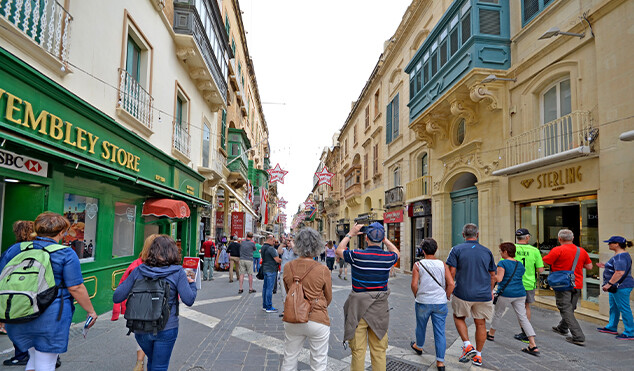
237	224
248	223
220	219
192	269
81	212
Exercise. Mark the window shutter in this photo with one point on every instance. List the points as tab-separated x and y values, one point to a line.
531	7
388	124
466	27
489	22
223	128
395	124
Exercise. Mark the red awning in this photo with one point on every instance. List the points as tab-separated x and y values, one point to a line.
166	207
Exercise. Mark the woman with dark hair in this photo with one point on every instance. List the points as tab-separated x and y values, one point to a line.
330	255
432	285
618	281
161	260
510	291
47	335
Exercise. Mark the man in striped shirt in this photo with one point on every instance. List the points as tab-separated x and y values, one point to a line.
366	310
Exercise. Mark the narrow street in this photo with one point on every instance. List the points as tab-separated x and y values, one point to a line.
226	331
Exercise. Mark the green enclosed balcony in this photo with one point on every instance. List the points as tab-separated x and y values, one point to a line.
237	162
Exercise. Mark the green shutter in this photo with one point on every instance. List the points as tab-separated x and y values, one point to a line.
388	124
395	110
179	111
223	128
133	59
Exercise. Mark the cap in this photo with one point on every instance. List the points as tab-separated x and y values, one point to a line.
616	239
375	232
522	232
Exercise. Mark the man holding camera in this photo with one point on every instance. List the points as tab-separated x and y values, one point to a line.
366	308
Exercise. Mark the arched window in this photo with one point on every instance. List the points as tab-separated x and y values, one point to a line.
424	166
397	177
556	125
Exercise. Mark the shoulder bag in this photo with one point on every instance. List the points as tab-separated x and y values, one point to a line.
432	276
564	280
297	307
501	289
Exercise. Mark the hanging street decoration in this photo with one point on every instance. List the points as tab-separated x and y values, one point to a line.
281	203
324	177
309	203
277	174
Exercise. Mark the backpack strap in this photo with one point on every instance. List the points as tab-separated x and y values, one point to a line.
307	271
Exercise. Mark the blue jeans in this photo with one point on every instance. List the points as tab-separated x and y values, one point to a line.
620	307
19	354
158	348
256	265
438	314
267	291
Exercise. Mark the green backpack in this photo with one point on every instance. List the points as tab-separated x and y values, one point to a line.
27	284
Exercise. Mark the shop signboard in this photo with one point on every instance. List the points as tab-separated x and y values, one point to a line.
220	219
393	216
237	224
23	164
419	208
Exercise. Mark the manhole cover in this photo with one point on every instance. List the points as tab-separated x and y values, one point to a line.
395	364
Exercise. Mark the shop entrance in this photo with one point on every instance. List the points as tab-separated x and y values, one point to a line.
464	209
19	201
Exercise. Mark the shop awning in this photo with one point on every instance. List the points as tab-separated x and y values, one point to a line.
240	199
166	207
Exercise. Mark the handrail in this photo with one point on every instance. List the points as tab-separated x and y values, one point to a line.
135	99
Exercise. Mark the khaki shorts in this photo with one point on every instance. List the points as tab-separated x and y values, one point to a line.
245	267
473	309
530	296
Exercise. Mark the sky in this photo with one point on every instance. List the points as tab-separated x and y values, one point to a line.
312	59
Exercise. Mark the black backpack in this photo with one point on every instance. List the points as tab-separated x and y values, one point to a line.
147	308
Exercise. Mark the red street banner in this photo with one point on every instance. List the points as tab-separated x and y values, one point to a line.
220	219
393	216
192	270
237	224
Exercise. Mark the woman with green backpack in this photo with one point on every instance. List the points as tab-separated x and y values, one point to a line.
42	330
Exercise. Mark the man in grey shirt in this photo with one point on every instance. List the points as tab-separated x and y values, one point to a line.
285	250
247	247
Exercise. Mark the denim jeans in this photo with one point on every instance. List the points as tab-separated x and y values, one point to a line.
208	268
158	348
620	307
256	265
267	294
438	314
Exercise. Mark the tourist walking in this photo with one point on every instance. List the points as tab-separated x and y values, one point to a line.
432	286
234	257
343	266
256	255
223	256
473	268
287	253
366	311
568	257
247	247
270	261
163	261
618	282
330	256
47	335
209	251
510	291
531	259
317	286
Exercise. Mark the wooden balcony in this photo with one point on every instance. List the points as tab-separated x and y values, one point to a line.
353	191
418	187
394	197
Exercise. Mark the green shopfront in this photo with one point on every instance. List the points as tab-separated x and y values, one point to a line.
61	154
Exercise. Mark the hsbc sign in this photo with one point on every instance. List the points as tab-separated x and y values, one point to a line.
23	164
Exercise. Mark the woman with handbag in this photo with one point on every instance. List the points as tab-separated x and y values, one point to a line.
432	286
618	282
511	292
317	288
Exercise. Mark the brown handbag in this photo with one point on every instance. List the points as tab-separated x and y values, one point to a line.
296	306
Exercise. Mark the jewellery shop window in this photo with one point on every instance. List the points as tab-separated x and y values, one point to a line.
81	212
579	214
124	224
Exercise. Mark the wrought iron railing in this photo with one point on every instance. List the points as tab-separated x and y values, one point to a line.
135	99
394	196
560	135
181	139
419	187
45	22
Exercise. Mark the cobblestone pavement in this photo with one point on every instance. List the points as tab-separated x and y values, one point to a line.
228	331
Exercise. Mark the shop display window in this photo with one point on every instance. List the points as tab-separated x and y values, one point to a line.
124	222
580	214
81	212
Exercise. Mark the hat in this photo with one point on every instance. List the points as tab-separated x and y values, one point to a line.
616	239
375	232
522	232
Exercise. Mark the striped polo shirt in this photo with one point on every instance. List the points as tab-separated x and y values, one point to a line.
370	268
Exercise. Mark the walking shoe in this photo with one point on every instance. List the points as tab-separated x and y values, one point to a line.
467	354
272	310
576	342
16	362
521	337
624	337
345	278
58	363
339	275
477	360
559	331
264	309
607	331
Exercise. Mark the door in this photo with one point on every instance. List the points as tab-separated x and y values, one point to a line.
464	209
22	201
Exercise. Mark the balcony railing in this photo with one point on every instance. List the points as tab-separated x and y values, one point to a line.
181	139
134	99
563	134
394	196
419	187
46	22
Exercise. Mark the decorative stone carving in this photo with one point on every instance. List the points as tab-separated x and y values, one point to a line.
433	127
479	92
423	135
459	109
470	158
184	53
205	85
198	73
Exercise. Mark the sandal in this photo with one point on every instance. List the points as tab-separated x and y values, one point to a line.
413	346
240	291
490	337
251	291
534	351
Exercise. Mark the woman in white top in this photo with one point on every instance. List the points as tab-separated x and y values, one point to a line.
432	286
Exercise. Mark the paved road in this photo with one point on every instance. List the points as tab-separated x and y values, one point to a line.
227	331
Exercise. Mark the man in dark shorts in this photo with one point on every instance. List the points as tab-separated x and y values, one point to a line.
234	257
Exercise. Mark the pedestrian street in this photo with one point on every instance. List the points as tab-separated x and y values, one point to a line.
226	331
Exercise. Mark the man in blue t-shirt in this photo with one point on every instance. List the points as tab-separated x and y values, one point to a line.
473	268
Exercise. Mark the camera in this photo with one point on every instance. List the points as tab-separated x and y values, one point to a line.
363	229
